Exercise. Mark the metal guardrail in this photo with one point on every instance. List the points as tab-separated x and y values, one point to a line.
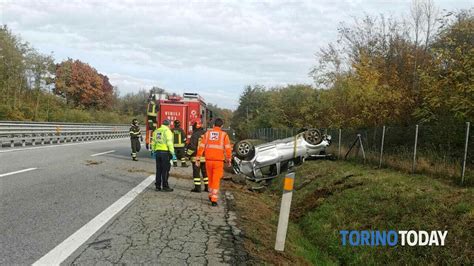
14	133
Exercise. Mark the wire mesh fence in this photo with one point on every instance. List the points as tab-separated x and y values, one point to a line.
434	150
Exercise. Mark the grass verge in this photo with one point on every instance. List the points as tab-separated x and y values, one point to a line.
334	196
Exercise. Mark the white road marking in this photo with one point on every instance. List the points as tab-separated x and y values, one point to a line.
59	145
19	171
102	153
73	242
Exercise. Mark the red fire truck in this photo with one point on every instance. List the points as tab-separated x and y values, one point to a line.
188	109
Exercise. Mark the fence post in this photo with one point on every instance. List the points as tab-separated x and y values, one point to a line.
284	211
414	150
361	146
339	146
381	147
468	125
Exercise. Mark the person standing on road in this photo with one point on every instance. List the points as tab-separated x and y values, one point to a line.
216	148
162	146
192	148
135	133
179	143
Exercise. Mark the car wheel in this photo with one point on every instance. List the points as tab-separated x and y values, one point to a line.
313	136
244	150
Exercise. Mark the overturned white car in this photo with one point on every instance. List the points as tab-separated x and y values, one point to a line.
268	160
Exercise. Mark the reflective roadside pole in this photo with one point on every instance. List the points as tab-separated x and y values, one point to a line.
284	211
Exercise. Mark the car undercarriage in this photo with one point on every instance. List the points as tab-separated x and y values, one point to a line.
268	160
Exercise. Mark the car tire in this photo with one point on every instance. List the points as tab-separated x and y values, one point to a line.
244	150
313	136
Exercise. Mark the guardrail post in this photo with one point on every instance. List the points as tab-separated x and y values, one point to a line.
381	147
468	125
284	211
414	150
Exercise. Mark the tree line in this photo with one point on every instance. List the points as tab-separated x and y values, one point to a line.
381	71
34	88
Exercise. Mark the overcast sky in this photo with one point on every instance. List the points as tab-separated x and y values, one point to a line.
214	48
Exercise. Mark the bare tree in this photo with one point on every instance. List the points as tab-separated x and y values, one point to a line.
430	12
416	12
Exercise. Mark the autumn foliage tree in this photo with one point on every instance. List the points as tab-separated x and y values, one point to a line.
25	79
381	71
447	85
82	86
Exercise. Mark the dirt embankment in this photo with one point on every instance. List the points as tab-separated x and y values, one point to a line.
256	218
334	196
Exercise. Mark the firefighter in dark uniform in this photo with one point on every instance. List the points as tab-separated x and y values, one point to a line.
179	143
135	133
192	147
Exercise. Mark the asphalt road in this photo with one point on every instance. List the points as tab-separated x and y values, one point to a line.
69	187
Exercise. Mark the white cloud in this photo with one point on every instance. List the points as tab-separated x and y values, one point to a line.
204	46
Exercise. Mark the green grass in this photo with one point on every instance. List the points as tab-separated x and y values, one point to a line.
428	161
346	196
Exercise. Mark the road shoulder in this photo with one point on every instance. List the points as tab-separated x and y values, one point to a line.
168	228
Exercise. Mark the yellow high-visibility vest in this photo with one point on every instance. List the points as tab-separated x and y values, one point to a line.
151	111
162	139
177	135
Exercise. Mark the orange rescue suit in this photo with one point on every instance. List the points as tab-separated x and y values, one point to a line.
216	147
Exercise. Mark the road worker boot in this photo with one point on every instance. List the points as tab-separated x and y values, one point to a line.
214	204
197	189
184	164
206	188
167	189
175	164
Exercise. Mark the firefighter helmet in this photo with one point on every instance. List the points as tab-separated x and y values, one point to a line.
197	124
177	123
166	122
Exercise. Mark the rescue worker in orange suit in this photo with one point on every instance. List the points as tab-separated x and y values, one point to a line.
179	143
135	133
216	148
191	151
